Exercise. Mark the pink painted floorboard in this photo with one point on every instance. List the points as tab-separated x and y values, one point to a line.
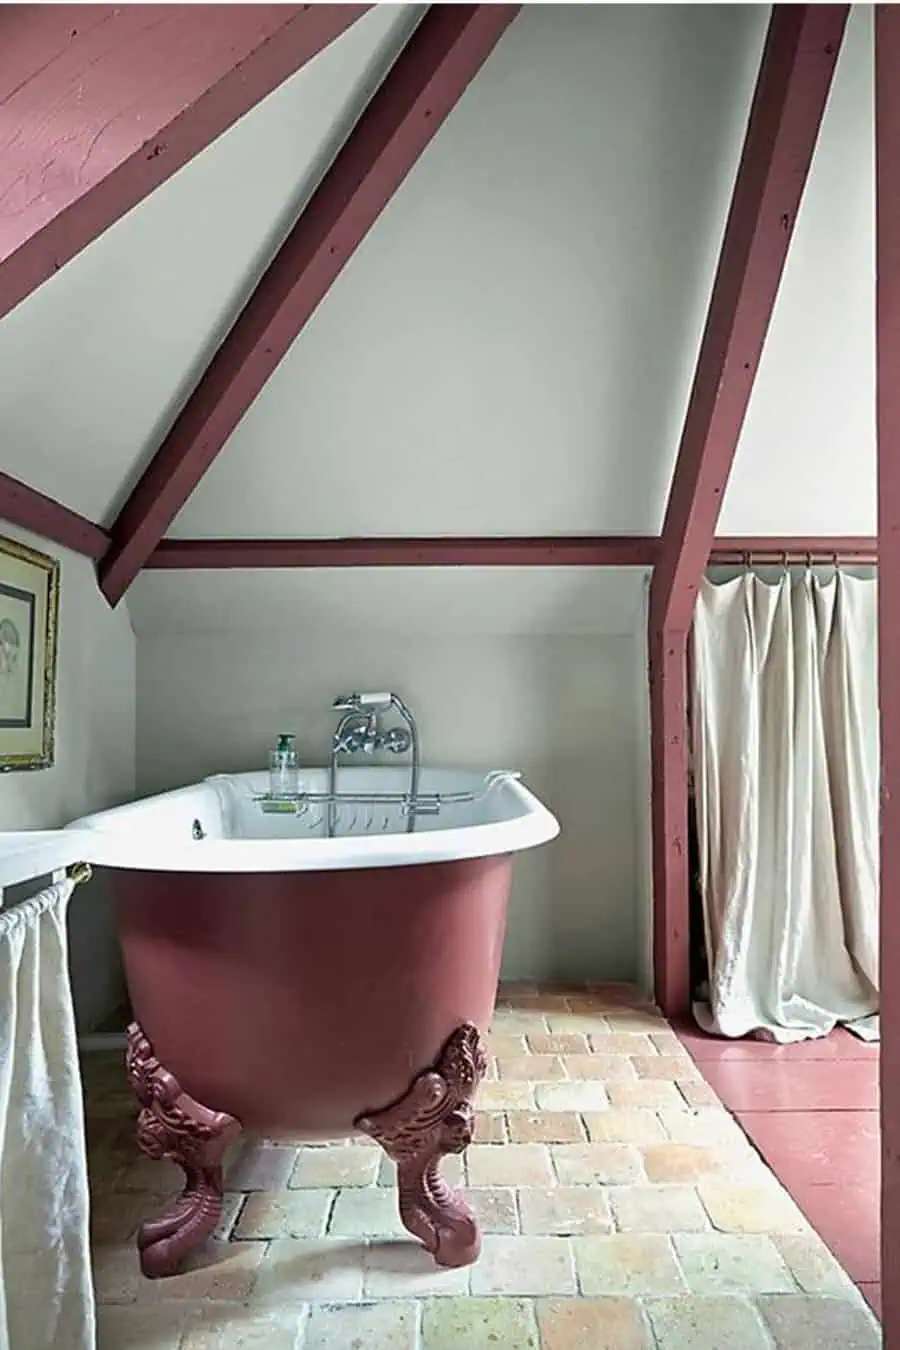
802	1085
812	1112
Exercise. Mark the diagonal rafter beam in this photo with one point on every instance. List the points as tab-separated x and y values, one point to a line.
99	104
798	62
444	54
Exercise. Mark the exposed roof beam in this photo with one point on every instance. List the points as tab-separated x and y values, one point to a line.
23	506
444	54
446	551
887	403
798	62
102	103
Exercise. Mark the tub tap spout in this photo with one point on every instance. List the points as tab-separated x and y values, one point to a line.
359	729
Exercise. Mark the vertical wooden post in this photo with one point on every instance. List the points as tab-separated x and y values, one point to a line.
792	89
887	398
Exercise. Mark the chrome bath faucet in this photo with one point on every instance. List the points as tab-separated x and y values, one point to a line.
359	731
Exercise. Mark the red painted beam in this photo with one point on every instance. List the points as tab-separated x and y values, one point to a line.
427	80
23	506
103	103
792	89
548	551
887	395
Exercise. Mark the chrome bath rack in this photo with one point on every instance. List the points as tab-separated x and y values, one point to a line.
424	803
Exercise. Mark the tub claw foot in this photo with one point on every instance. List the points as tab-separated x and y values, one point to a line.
172	1125
434	1118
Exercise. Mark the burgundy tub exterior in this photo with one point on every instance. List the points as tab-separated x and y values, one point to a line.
314	1005
296	1001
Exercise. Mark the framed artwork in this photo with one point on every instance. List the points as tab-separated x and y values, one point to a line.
29	601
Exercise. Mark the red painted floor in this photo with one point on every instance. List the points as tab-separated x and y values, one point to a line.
812	1112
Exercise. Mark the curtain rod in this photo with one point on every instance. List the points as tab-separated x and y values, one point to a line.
819	552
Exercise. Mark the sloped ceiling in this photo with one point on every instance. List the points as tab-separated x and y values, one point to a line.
97	362
511	348
806	462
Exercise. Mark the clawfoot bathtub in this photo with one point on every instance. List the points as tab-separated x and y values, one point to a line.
292	982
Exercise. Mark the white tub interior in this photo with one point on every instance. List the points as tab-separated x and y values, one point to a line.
220	824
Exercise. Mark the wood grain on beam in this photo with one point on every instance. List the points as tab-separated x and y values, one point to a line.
23	506
792	89
887	318
430	75
544	551
102	103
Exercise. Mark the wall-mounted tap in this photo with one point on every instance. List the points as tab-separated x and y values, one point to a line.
360	731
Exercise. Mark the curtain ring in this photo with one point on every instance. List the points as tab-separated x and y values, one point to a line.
784	563
836	561
746	560
79	872
809	561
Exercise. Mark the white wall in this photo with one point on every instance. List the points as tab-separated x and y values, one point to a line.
94	762
557	703
806	459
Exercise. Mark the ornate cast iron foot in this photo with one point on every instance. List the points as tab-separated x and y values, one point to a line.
172	1125
434	1118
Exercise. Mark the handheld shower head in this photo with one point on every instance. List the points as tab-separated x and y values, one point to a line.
359	702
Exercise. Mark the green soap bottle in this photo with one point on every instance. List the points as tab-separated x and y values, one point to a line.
283	773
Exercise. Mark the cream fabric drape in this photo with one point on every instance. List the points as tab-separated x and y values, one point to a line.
46	1293
785	756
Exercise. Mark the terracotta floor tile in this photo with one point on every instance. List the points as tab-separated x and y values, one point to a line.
657	1209
545	1127
404	1270
494	1207
509	1165
596	1164
694	1323
587	1095
284	1214
669	1068
621	1043
235	1327
723	1263
476	1324
627	1263
490	1127
609	1174
565	1210
799	1322
812	1263
623	1125
377	1326
572	1044
299	1270
599	1323
524	1266
335	1165
612	1068
531	1069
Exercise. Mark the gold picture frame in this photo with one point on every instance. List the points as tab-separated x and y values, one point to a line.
29	605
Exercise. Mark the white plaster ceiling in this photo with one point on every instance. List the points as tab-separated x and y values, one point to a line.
97	361
806	461
511	348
